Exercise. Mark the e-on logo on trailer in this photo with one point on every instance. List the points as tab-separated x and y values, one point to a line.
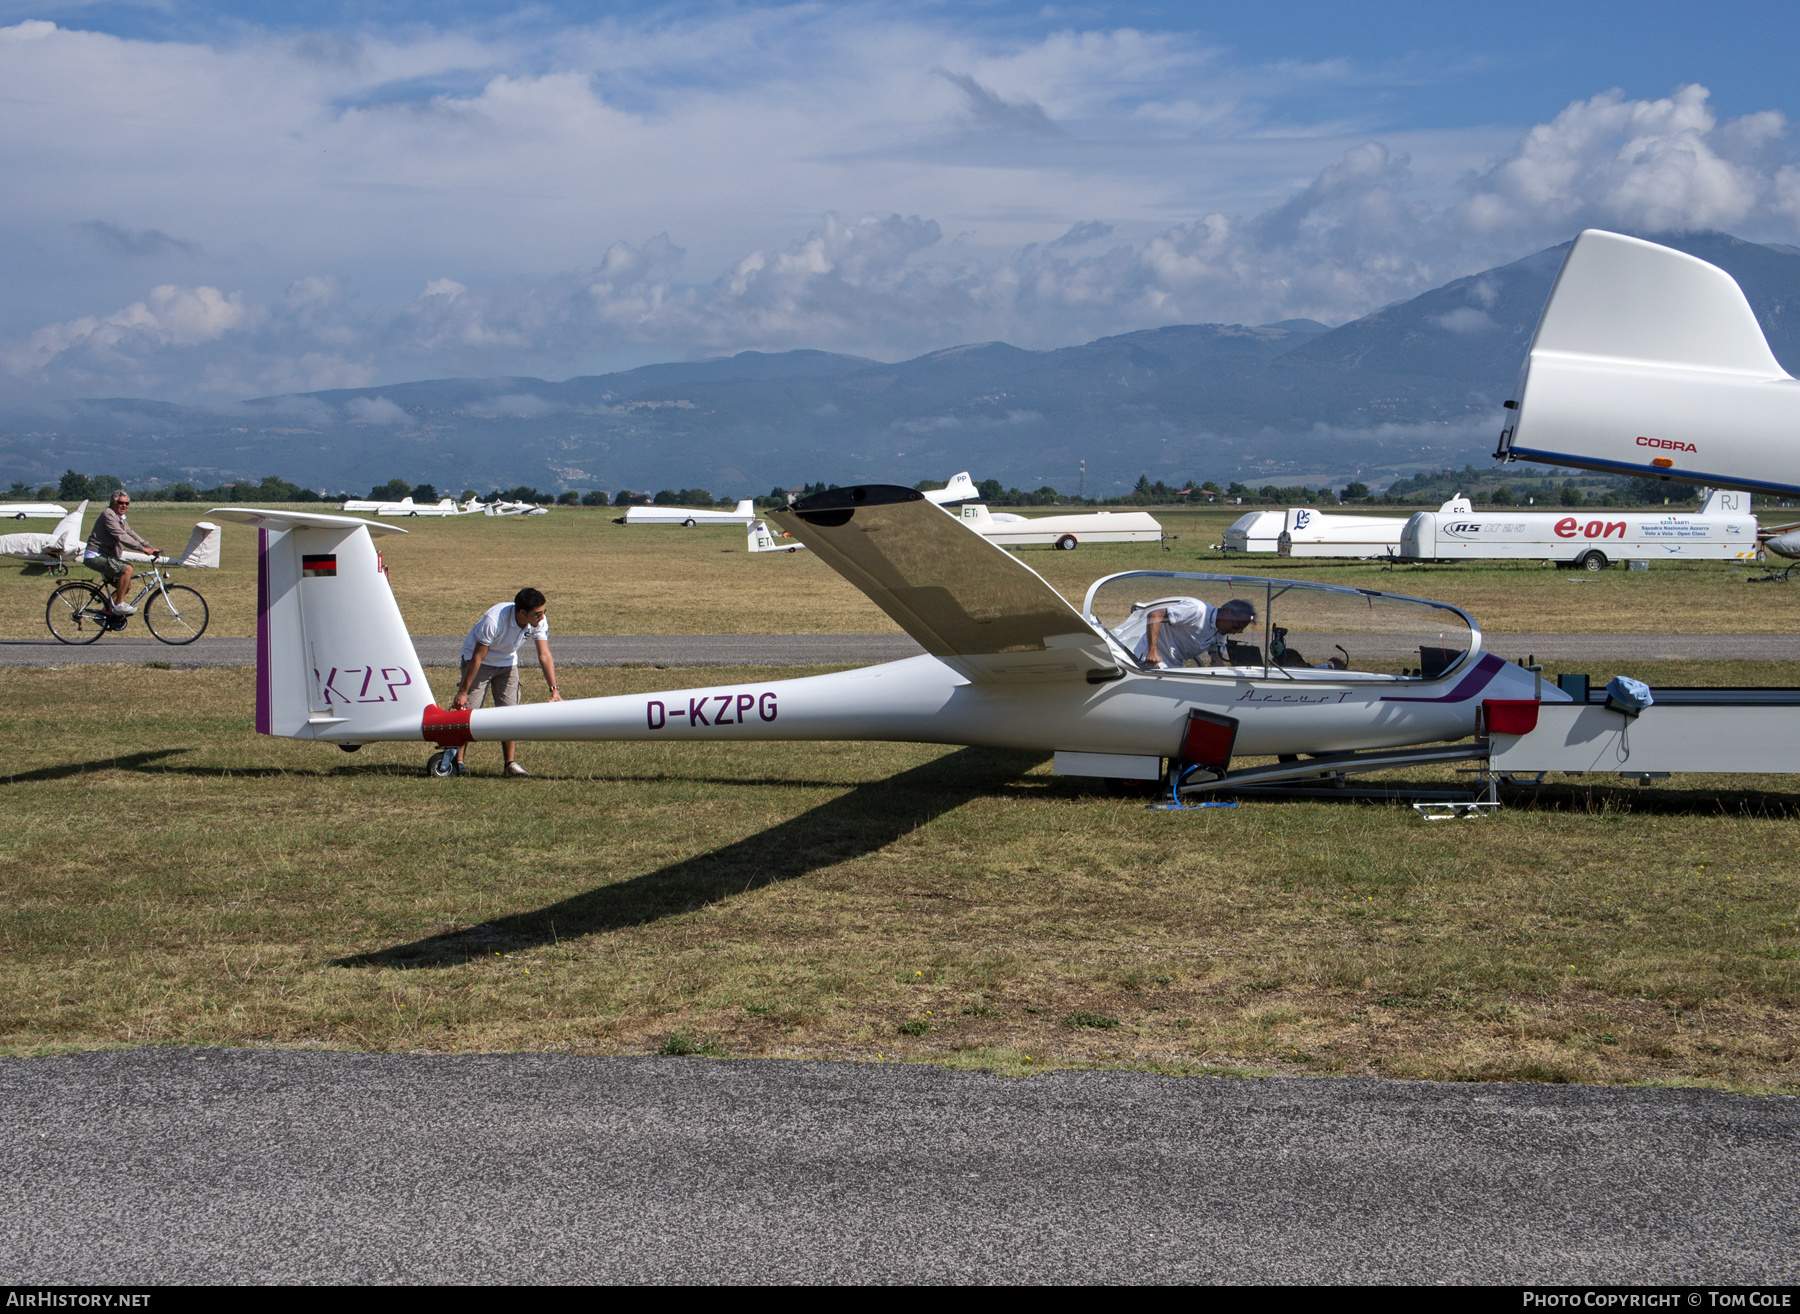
1568	527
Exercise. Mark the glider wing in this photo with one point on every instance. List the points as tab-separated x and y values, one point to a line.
968	602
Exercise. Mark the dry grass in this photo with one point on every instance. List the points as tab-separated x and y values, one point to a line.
604	578
169	877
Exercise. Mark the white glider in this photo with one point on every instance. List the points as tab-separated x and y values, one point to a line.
63	546
32	511
764	539
743	514
1650	362
1008	662
446	506
57	548
1065	532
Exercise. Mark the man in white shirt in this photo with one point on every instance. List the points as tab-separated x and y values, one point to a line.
1177	629
490	661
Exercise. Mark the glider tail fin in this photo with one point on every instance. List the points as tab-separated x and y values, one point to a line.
66	538
202	550
763	539
333	658
1626	299
1650	362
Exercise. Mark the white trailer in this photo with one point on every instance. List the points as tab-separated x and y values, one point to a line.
1751	731
1312	533
1065	532
1255	531
1590	537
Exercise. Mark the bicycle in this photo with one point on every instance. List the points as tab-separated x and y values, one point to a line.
173	613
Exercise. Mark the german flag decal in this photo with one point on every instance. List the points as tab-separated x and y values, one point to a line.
315	567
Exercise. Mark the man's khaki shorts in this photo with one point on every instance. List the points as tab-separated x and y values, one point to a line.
110	568
504	680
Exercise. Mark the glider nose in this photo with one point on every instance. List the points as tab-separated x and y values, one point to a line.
1785	545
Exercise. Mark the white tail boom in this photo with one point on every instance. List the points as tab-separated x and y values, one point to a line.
1650	362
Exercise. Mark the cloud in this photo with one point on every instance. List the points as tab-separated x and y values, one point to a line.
548	199
1654	165
1465	319
989	109
374	410
1080	235
132	242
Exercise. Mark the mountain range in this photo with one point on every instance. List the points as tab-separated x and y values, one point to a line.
1414	385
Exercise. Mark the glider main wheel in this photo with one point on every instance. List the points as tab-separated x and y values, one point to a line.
75	613
441	765
1132	788
1593	561
1066	543
176	614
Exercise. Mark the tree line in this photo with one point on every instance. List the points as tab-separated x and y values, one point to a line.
1427	487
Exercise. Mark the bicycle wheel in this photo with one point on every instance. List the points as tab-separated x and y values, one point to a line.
175	614
75	613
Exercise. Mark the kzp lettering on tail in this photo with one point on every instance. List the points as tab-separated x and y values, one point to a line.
393	679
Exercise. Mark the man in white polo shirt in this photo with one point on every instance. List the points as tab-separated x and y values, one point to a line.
490	661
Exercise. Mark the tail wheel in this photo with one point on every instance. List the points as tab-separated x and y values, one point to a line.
1594	561
176	614
1066	543
75	613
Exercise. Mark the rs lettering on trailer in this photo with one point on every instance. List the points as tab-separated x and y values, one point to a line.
713	709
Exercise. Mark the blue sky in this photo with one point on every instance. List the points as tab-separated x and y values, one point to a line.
229	200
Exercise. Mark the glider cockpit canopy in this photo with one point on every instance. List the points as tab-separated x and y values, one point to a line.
1302	631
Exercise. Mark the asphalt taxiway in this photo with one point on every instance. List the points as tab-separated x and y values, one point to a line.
195	1166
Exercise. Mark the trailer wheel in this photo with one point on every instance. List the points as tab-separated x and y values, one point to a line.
1066	543
688	523
1592	561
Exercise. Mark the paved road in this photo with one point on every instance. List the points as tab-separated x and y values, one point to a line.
569	650
244	1166
820	649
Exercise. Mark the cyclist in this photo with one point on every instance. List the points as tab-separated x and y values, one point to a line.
106	548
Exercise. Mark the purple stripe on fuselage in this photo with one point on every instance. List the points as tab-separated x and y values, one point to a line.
263	712
1470	685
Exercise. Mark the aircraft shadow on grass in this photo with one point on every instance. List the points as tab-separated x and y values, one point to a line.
119	762
853	825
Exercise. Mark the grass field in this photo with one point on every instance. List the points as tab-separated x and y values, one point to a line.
169	877
603	578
